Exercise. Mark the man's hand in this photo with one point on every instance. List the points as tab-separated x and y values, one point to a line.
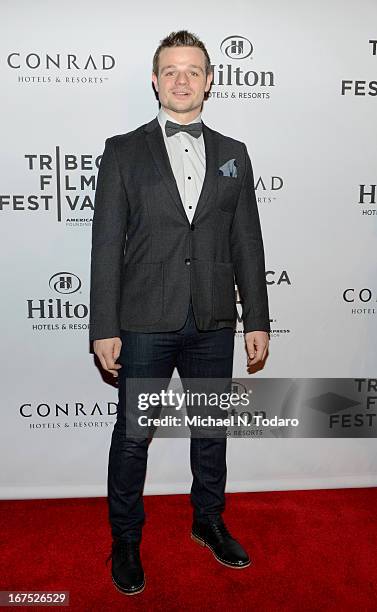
108	351
256	346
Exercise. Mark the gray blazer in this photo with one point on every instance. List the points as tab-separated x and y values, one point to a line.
147	259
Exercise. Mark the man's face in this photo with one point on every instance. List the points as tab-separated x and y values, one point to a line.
182	81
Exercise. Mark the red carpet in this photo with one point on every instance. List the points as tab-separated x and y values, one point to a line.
311	550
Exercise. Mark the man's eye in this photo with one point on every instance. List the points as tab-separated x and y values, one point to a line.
172	72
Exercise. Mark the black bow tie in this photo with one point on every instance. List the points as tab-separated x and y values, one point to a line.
195	129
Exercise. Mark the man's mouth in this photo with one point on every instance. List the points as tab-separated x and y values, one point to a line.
181	94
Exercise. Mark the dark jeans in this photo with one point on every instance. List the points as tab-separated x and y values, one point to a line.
195	354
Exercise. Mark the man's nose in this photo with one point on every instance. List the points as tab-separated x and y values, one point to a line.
182	77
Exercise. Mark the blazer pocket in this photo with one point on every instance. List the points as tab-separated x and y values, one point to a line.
142	292
224	293
227	177
228	192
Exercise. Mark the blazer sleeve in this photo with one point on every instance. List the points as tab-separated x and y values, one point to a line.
107	252
248	255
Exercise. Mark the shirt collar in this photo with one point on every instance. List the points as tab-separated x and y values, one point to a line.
163	117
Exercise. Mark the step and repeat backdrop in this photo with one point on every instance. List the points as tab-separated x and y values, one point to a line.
295	81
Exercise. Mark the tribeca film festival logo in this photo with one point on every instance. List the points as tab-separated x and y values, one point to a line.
232	79
361	87
361	300
343	413
66	187
325	407
273	277
367	193
278	278
59	313
60	68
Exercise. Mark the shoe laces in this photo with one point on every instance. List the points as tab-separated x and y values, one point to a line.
221	530
127	551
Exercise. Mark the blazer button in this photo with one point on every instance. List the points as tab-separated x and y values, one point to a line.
187	262
192	226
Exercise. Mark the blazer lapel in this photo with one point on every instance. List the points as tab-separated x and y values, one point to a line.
159	153
209	187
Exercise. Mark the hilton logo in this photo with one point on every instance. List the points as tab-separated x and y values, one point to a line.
239	48
367	197
236	47
65	282
57	310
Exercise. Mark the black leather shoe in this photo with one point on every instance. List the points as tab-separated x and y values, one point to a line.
127	571
224	547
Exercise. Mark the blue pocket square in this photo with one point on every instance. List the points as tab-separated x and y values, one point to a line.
229	168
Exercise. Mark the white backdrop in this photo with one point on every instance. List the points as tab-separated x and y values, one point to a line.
308	117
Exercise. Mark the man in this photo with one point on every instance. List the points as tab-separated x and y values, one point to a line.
175	226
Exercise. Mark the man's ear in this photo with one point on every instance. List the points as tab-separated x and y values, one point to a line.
154	79
209	81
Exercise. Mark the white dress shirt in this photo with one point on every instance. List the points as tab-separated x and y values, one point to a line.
188	161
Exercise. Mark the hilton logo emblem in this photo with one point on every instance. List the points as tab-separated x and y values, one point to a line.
236	47
65	282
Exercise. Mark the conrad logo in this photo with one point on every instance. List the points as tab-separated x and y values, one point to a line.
69	61
362	300
363	295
